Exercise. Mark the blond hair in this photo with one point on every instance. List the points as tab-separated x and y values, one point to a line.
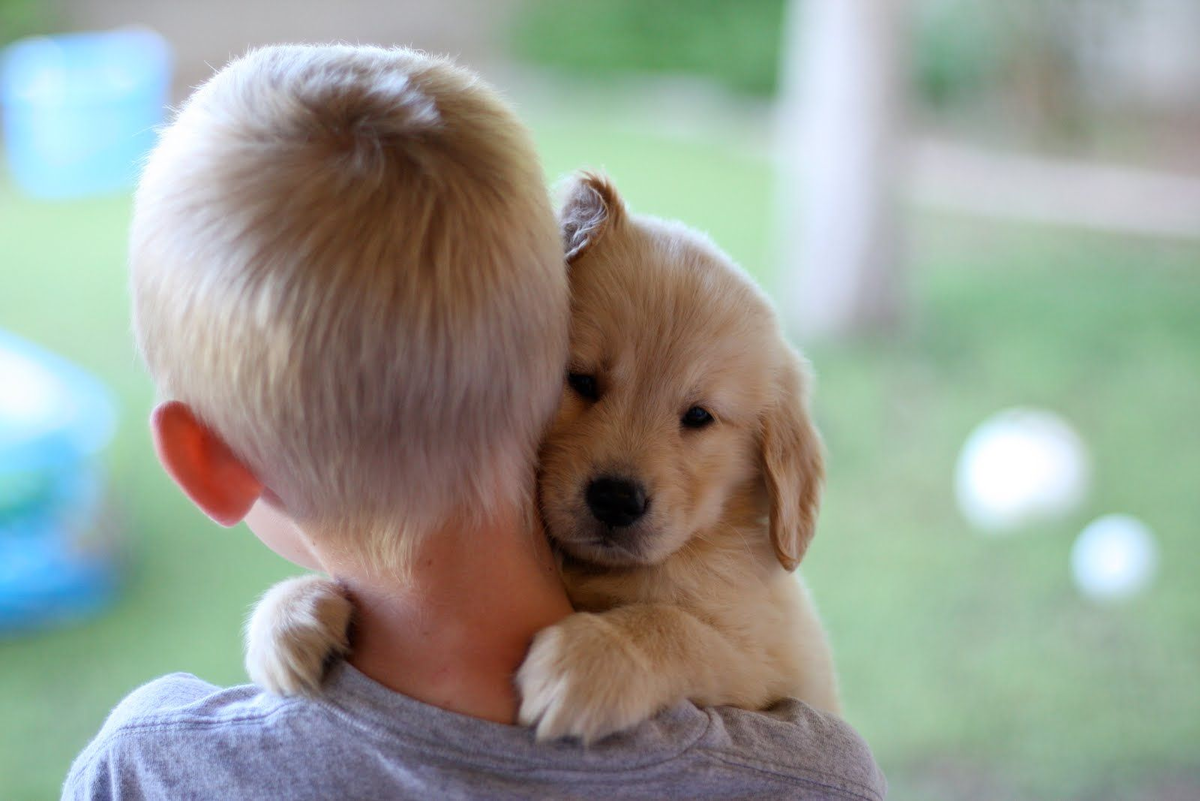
344	261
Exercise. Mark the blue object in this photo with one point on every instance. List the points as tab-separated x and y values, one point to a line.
53	417
80	110
50	575
58	550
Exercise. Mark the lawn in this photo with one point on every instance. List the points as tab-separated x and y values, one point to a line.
970	663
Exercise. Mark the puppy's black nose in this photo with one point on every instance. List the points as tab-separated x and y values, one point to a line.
616	501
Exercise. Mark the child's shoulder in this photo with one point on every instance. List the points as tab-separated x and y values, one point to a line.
799	742
151	728
183	699
161	698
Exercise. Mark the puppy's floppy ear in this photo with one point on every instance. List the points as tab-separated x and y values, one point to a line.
793	466
591	207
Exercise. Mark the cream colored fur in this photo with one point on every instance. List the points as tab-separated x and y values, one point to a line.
297	626
696	599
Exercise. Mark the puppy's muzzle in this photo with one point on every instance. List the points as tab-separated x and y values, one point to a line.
616	501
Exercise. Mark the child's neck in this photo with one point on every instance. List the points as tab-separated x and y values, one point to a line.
456	634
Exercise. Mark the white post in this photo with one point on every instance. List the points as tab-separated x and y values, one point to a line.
843	87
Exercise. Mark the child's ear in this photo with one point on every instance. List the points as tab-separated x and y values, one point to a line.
202	464
591	208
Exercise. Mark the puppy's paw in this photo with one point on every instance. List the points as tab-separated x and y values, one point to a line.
294	630
583	678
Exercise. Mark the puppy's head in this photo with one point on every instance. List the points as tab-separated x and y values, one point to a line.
684	406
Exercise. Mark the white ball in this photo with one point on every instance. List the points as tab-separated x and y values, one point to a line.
1114	557
1019	466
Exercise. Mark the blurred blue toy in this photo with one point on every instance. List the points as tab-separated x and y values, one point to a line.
58	555
80	110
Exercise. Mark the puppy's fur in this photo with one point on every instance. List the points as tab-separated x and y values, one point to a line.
695	598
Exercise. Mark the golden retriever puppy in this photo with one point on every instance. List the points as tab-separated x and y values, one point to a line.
679	482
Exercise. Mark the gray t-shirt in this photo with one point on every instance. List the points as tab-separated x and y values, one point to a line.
182	738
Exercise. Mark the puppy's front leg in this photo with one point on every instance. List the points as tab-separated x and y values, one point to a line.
294	630
597	673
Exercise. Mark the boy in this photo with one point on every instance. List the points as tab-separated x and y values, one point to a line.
349	289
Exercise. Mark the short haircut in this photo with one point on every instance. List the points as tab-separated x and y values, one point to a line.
344	260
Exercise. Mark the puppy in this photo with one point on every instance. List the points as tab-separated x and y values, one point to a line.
679	482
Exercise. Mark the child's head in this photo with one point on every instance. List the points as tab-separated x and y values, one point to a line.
344	262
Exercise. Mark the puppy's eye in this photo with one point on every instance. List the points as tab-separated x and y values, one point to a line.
584	384
696	417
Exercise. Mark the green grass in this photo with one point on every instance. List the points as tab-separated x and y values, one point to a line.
970	664
735	44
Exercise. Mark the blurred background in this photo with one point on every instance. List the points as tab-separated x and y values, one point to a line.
980	220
